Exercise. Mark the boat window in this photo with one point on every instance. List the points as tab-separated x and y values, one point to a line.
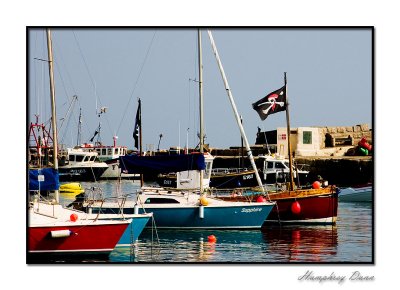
92	158
279	165
270	165
104	152
109	151
160	200
207	172
98	151
78	158
71	158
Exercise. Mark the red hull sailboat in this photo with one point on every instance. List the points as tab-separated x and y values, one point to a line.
314	205
55	230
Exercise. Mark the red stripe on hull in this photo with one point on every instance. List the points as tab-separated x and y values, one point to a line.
311	208
83	239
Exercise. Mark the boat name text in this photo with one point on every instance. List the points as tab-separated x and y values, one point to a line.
254	209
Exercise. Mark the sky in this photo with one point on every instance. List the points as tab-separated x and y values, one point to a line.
329	73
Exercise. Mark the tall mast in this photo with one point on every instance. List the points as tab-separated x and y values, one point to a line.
78	138
140	139
201	105
228	90
288	137
53	106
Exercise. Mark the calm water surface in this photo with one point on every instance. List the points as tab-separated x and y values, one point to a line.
350	240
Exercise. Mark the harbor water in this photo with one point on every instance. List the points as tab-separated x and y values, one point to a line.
349	241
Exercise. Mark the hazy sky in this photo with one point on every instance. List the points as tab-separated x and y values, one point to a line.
329	75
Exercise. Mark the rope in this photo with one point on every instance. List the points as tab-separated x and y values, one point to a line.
137	80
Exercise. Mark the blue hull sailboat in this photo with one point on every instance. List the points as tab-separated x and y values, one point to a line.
189	206
181	208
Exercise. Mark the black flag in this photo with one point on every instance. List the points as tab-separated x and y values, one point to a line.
95	133
138	124
272	103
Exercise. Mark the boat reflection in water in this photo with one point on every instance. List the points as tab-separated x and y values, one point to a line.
314	244
303	244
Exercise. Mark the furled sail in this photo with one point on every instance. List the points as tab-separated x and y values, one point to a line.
161	164
49	181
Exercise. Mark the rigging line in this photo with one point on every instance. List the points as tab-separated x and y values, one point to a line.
62	62
137	80
34	75
91	79
84	62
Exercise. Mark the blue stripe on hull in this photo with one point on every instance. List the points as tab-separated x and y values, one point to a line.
242	217
134	230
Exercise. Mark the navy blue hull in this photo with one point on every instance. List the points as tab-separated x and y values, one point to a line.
81	173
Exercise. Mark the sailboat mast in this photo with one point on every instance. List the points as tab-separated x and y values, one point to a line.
53	106
288	137
201	105
246	142
140	139
78	138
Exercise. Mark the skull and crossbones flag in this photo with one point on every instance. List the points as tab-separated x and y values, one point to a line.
272	103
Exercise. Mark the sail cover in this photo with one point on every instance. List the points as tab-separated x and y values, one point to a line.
50	182
135	164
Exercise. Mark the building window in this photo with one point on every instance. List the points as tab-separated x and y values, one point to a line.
307	137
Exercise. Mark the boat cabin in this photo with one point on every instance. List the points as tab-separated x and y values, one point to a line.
79	156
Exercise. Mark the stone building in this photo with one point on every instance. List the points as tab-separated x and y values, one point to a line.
315	141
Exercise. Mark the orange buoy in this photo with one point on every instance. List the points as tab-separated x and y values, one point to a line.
316	185
296	208
260	199
212	239
203	201
73	217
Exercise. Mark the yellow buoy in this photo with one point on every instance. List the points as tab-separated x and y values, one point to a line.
203	201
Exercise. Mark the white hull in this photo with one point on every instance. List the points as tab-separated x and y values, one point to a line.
113	172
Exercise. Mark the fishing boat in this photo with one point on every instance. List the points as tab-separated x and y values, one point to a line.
275	169
81	165
361	193
110	156
316	205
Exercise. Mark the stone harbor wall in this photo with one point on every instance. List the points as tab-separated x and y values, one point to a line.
341	136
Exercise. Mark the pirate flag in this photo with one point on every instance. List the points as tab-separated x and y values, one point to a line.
138	124
271	103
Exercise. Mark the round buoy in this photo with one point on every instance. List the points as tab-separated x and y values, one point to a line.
316	185
260	199
212	239
203	201
296	208
73	217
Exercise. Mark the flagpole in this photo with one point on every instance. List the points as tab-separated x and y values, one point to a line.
201	104
288	136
